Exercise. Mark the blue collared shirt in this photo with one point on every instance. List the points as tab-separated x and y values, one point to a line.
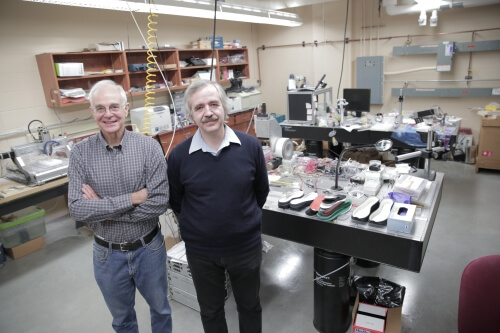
198	142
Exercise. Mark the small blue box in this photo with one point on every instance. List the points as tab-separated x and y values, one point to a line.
280	118
401	218
219	42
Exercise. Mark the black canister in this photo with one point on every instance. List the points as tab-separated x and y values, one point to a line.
331	292
2	254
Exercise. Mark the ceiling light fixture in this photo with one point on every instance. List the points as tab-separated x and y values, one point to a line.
191	8
433	21
422	20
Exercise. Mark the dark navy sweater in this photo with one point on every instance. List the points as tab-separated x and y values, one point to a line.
219	199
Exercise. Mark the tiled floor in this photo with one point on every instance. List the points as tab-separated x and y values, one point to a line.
53	290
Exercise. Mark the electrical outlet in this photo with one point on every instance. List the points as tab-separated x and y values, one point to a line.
468	77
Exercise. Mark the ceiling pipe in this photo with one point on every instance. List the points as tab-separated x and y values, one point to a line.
410	9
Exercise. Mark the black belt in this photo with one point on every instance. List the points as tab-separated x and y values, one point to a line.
128	246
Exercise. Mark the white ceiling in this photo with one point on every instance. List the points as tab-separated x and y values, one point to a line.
393	7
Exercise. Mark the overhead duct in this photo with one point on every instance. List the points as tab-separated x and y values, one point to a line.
394	9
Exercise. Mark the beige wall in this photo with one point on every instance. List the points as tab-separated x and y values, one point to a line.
324	23
27	29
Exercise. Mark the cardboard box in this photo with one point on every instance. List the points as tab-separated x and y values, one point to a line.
201	44
488	154
401	218
69	69
171	240
392	319
219	42
26	248
370	318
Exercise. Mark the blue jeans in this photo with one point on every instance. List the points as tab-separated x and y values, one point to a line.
118	274
209	280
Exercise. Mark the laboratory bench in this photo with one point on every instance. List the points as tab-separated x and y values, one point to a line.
17	196
344	135
352	238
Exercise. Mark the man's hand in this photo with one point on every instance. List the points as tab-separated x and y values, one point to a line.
139	197
89	193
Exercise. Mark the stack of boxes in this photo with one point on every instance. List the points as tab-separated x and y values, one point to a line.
180	281
22	232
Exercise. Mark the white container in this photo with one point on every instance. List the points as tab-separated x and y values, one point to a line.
69	69
157	119
401	218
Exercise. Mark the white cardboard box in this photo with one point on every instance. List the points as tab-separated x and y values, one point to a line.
69	69
401	218
364	323
392	321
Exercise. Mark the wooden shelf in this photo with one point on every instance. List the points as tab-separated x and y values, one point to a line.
118	63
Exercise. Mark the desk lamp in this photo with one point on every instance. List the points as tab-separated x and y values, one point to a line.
381	146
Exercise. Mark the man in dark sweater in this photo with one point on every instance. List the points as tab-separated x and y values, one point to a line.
218	186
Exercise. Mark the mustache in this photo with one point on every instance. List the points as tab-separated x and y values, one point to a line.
211	118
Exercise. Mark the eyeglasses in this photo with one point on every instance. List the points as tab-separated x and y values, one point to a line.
113	108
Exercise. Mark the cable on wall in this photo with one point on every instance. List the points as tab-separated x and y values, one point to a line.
213	41
343	49
163	77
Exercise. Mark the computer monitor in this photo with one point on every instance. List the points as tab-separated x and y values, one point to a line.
358	99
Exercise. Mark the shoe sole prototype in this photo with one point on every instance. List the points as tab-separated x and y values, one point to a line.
364	210
285	201
327	207
298	204
381	215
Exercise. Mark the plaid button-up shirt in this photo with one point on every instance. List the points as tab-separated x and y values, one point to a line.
114	173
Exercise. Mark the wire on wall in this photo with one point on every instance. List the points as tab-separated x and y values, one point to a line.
161	73
343	49
213	41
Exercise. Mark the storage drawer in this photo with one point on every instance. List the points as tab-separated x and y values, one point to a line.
242	127
242	117
180	135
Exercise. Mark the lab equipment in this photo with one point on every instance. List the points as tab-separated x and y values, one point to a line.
38	162
151	120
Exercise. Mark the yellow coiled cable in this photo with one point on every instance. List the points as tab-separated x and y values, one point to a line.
150	76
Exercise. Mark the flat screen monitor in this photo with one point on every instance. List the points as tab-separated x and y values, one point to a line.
358	99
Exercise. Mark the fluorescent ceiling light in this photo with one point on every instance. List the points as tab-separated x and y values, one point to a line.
191	8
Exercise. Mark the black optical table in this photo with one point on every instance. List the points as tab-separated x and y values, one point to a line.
354	239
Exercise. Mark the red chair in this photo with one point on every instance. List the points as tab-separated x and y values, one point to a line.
479	298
